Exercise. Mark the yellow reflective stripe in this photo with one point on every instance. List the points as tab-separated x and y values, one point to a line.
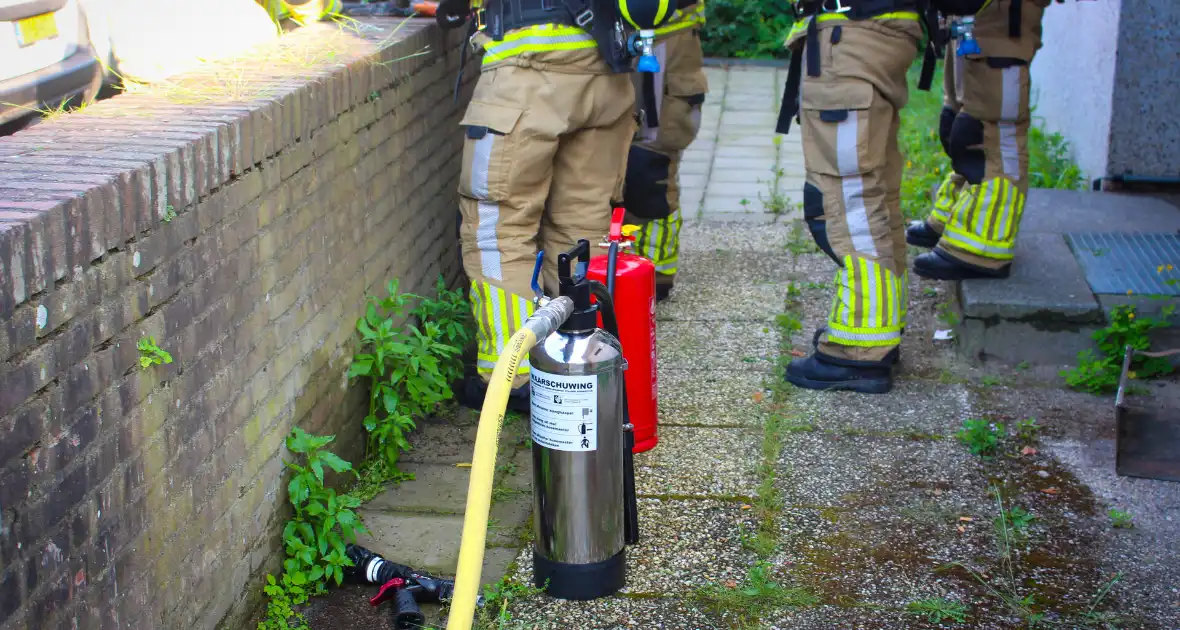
986	218
867	308
681	20
663	10
659	242
538	38
801	25
499	314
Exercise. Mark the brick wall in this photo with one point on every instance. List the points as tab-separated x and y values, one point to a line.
239	216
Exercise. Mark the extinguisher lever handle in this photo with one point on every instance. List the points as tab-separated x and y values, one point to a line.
535	283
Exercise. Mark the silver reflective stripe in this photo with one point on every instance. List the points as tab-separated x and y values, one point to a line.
851	336
1009	114
852	185
480	163
485	239
507	48
499	329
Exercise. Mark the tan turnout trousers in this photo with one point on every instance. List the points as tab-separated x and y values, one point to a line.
849	122
984	130
547	135
679	89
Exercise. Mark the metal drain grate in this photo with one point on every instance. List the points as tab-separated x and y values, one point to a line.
1115	263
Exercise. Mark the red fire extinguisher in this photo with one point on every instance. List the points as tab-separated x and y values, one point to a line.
632	283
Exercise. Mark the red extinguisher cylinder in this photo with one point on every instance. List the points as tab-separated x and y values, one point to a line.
635	310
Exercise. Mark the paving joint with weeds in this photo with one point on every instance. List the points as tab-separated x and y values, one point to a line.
152	354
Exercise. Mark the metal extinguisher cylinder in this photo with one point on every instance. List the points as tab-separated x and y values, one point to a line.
633	287
578	405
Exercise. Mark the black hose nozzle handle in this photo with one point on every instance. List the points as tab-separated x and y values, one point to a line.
581	252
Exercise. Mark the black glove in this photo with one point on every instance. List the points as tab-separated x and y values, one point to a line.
452	13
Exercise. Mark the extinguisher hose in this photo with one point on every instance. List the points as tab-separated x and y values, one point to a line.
483	462
630	501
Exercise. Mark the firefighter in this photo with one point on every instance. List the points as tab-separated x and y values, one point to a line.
847	85
984	130
669	104
547	134
302	11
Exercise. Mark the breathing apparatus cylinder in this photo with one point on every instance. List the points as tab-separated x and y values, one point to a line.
583	496
645	16
631	281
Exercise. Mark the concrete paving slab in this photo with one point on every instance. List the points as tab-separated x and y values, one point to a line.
743	119
763	153
718	345
737	237
700	462
684	545
763	165
753	302
748	177
914	409
542	612
734	204
700	398
832	469
694	167
743	190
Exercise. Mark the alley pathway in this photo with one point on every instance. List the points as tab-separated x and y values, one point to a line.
764	506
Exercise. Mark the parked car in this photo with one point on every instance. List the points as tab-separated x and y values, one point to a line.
48	57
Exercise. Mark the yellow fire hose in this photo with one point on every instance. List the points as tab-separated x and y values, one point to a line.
483	463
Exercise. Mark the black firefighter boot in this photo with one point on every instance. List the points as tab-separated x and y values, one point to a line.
471	391
664	283
920	234
822	372
939	265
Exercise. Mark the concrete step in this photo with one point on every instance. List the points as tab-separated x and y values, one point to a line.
1046	312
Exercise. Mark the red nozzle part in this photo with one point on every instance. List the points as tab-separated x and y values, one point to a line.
388	591
616	224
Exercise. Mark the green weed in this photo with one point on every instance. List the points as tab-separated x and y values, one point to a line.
1027	430
409	369
496	612
1015	519
980	436
1121	519
1099	373
755	596
151	354
315	538
938	610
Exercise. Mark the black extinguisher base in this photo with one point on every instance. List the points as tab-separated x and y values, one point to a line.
580	581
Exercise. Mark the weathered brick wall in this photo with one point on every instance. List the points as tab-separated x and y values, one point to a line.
239	217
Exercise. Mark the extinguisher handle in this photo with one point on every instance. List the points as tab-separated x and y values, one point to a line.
535	283
616	224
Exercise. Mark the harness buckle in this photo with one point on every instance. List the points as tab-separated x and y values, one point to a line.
838	8
584	18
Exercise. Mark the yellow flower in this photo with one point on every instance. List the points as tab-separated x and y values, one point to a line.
1129	292
909	164
1169	267
1130	316
1159	269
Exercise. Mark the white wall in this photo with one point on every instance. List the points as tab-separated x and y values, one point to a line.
1073	78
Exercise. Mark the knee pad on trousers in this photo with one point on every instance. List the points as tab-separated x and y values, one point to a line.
967	132
813	209
645	192
945	120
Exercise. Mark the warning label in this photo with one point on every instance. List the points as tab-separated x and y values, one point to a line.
565	411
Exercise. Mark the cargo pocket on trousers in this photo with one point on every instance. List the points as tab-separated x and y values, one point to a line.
488	131
680	115
845	128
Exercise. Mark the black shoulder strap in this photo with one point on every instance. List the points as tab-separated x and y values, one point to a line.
1015	17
